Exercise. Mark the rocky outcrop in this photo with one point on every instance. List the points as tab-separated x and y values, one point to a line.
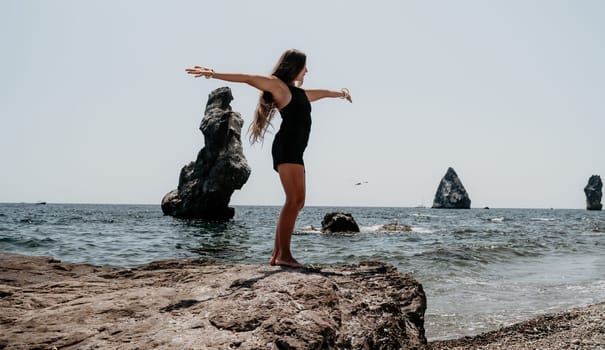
338	222
395	227
451	193
199	304
594	193
206	185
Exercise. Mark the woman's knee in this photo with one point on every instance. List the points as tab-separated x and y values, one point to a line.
295	202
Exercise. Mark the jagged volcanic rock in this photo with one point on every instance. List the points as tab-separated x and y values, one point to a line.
594	193
206	185
451	193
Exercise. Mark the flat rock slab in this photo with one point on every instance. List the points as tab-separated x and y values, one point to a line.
200	304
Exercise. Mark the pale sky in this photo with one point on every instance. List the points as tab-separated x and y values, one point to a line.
95	105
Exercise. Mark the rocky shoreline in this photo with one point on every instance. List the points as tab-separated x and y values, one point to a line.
201	304
579	328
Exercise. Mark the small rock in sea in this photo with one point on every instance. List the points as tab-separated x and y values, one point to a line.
338	222
451	193
396	227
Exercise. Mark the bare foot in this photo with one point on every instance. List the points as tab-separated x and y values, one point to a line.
289	263
273	258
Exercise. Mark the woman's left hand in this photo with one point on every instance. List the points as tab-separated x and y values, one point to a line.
346	95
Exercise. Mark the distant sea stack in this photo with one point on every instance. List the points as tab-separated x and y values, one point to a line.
206	185
594	193
451	193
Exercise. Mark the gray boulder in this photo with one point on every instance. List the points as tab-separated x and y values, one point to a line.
338	222
594	193
451	193
206	185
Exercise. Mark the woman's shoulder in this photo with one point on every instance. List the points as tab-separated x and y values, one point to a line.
282	94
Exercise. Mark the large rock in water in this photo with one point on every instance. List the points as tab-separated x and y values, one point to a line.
199	304
451	193
206	185
338	222
594	193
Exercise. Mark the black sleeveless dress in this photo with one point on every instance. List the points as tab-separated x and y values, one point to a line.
293	135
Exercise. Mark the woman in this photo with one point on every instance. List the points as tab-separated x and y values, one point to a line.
281	91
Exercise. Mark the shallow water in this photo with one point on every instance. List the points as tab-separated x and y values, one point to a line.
480	269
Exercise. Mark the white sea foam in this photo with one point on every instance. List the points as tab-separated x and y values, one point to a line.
424	215
308	229
500	219
370	229
422	229
471	281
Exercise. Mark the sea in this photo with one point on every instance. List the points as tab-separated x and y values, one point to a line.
481	269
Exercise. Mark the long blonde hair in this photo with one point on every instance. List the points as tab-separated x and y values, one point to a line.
289	65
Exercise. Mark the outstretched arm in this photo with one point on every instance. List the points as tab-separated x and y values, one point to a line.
277	88
317	94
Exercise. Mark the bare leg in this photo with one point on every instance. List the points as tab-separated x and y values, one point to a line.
292	177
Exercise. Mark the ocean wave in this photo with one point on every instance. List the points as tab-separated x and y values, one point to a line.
100	221
27	242
307	230
68	220
32	221
224	251
419	229
464	231
9	240
386	228
369	229
499	219
86	219
432	216
443	253
469	281
480	253
424	215
542	219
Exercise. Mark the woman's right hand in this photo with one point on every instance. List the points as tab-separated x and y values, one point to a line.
198	71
